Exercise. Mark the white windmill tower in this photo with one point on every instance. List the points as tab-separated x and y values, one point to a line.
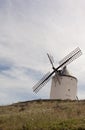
64	86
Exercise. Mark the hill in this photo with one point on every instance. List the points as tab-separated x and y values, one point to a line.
43	115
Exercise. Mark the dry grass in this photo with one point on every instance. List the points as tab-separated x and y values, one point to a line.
43	115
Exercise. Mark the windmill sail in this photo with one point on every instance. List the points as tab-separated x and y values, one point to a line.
51	59
42	82
70	57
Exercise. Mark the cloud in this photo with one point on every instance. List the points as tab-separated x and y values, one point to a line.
16	84
33	73
4	67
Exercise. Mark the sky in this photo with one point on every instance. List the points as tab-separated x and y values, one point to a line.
29	29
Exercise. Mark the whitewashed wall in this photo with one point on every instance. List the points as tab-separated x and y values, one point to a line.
67	89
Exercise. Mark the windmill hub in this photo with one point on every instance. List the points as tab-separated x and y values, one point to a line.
64	86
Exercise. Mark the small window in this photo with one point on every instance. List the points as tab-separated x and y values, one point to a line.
68	89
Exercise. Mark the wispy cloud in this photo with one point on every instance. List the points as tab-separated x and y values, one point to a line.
4	67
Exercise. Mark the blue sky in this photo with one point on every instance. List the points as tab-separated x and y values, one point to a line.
28	30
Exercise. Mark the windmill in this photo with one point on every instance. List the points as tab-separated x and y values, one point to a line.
63	86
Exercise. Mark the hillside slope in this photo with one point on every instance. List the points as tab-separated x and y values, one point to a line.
43	115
